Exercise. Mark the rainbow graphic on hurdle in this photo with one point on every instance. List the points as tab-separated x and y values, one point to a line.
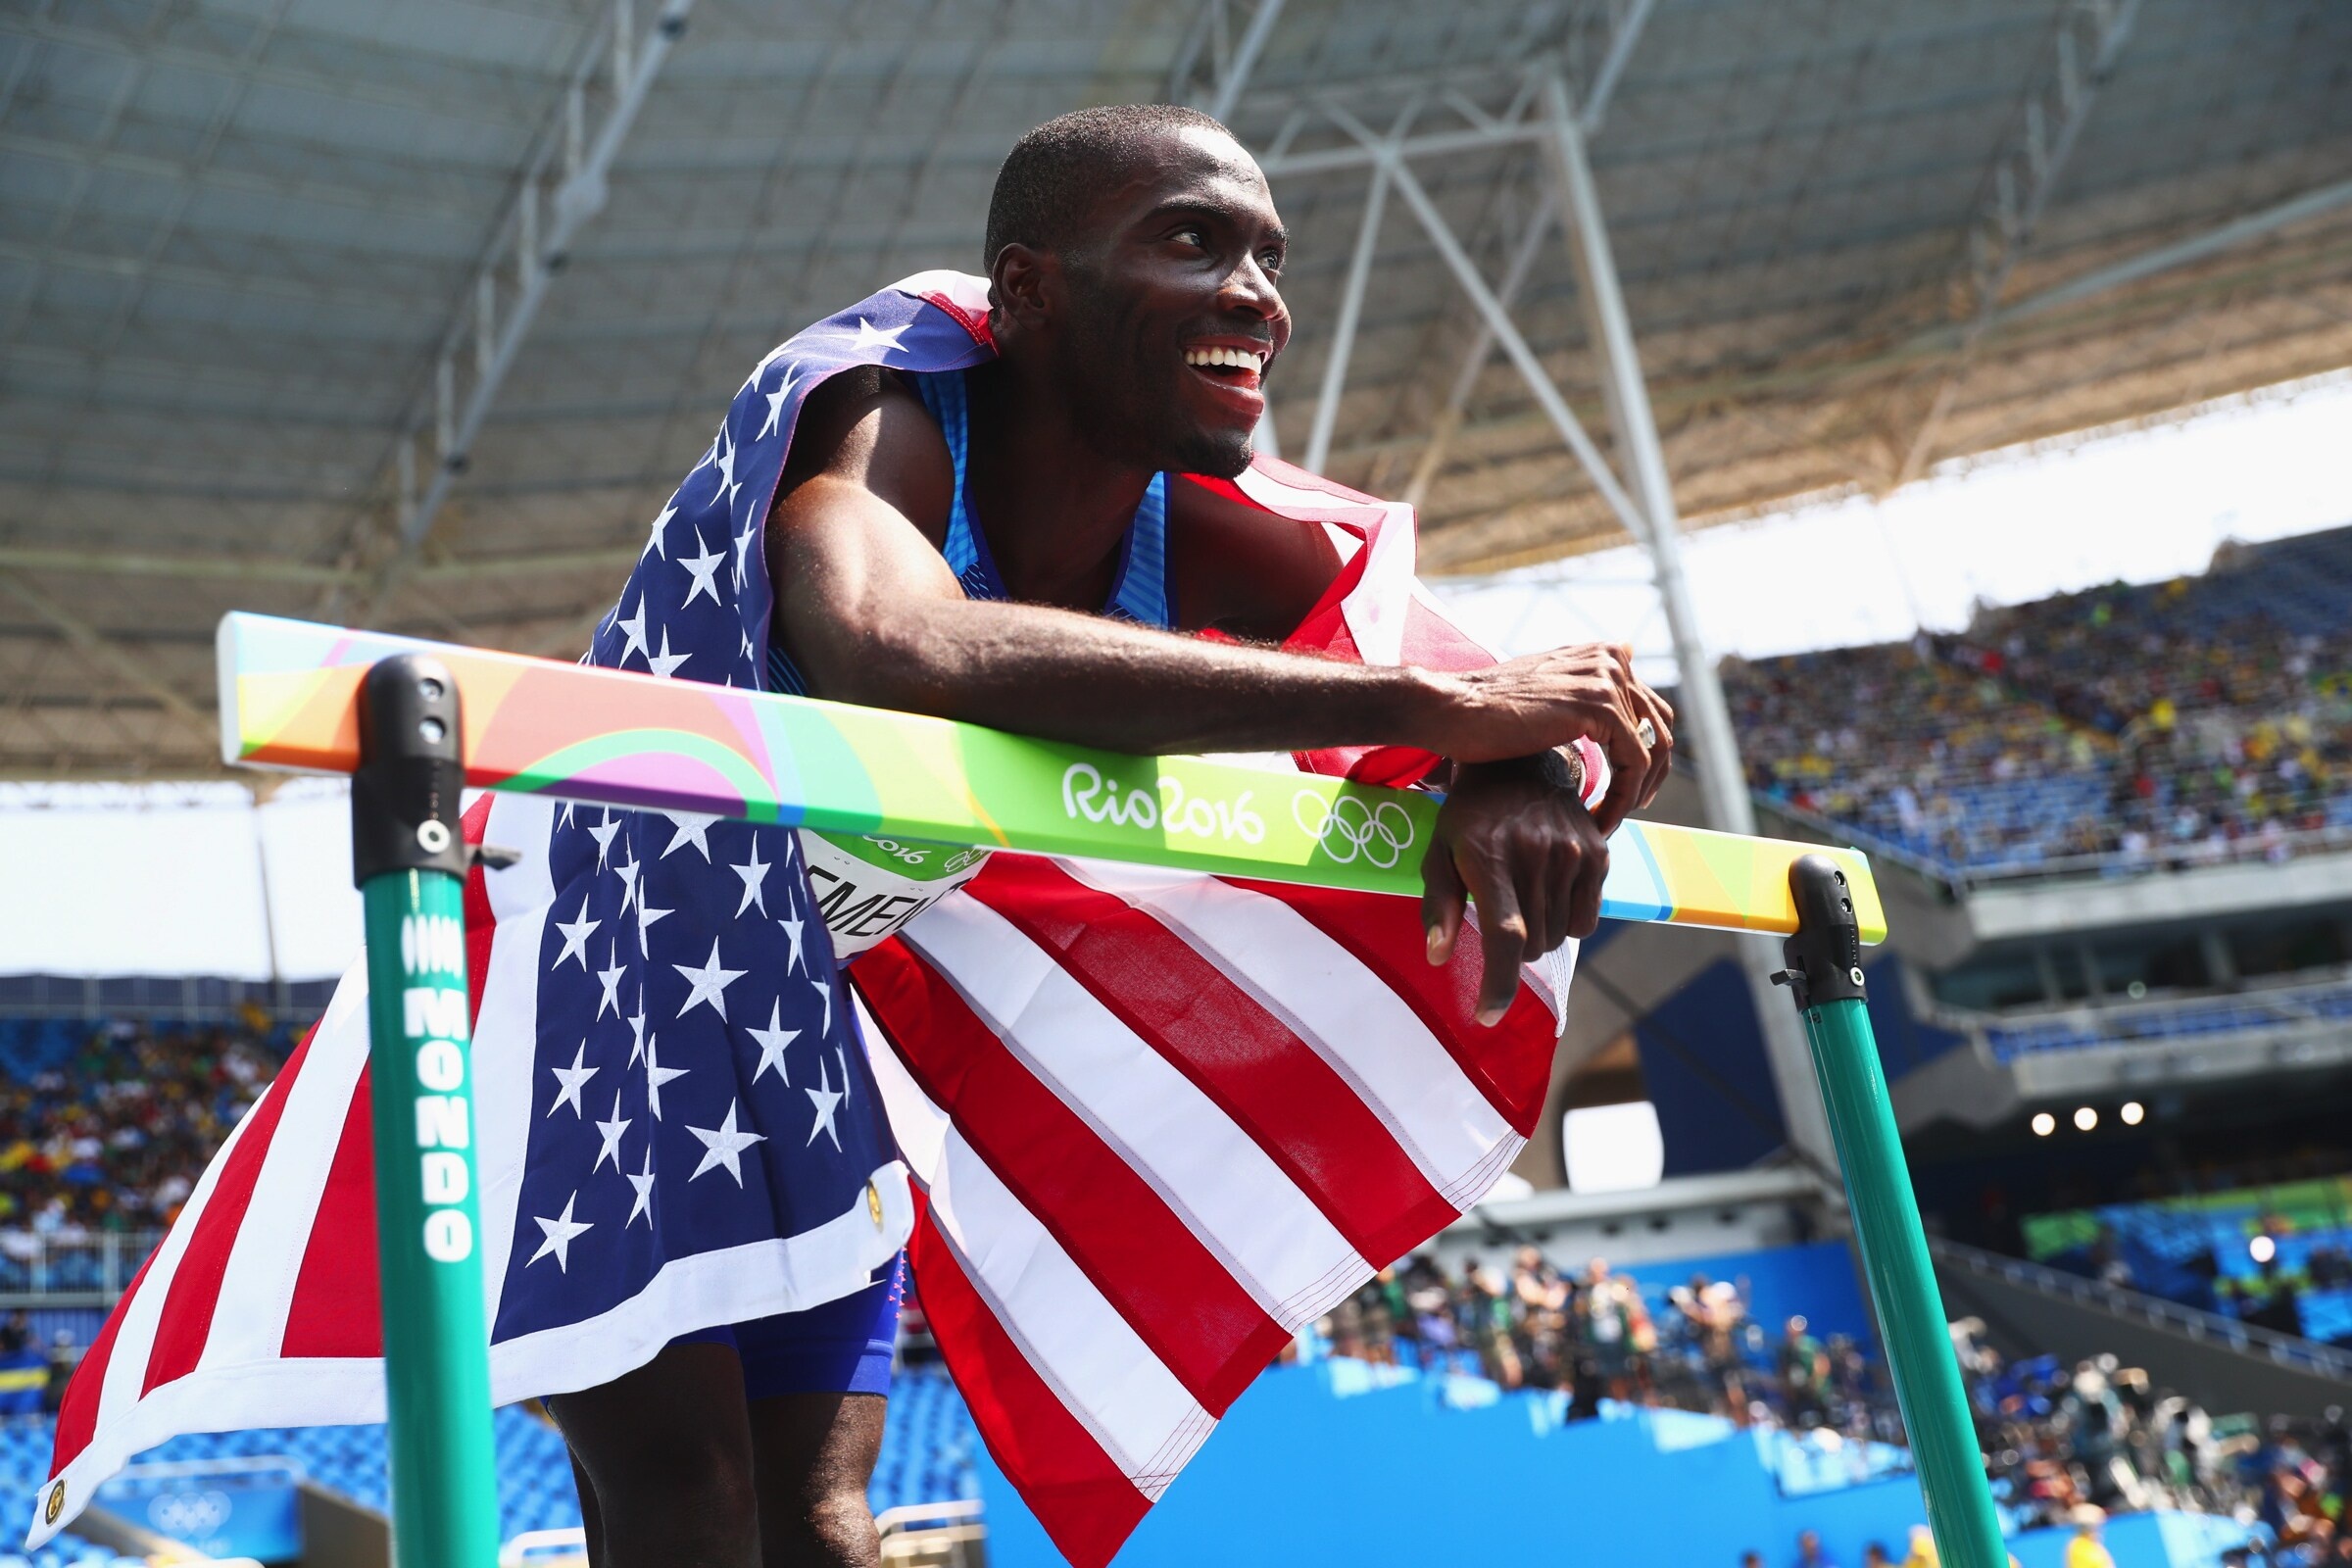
289	699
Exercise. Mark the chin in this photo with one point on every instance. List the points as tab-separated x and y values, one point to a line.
1216	454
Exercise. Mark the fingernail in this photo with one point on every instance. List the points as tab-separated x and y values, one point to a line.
1489	1018
1436	946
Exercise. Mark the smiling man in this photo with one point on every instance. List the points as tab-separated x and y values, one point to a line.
1044	538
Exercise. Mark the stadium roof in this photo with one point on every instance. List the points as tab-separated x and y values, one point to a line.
245	247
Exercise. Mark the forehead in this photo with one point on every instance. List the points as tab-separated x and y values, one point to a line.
1192	166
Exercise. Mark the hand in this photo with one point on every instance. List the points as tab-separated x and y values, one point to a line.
1524	707
1514	838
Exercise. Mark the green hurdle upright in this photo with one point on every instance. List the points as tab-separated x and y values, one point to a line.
1825	976
410	863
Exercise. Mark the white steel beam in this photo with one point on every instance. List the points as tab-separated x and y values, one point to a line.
1217	90
1449	422
2091	34
1498	321
2180	253
1704	715
1352	310
569	174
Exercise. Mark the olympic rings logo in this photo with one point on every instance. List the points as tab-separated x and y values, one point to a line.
1348	828
186	1514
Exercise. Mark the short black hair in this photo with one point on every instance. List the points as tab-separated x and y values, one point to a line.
1045	182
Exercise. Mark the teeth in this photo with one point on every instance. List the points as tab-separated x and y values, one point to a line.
1239	359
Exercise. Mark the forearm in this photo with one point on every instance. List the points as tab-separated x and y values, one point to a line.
1091	681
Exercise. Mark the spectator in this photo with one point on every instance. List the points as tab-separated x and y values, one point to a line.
1874	1555
2086	1550
1804	1368
1809	1553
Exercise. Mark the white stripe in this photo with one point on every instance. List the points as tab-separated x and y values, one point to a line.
524	822
1368	1034
920	1127
505	1044
1270	1235
135	1339
257	1289
1072	1337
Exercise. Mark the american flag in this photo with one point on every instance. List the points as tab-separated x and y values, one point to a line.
1156	1122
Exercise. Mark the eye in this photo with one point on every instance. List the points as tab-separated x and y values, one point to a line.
1192	235
1270	260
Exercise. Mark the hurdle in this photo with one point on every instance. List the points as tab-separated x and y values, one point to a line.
414	723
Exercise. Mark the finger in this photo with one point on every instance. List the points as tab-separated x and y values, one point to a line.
1532	884
1583	894
1502	934
1661	750
1441	895
1629	771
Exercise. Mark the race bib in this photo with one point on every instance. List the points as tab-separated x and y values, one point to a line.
867	889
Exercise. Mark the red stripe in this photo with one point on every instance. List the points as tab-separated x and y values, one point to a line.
78	1412
1510	1064
194	1296
337	1308
1308	1119
1080	1496
1155	1273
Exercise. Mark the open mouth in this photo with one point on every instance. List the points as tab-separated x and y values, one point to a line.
1239	369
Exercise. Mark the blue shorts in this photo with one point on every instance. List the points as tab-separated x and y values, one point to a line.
843	1347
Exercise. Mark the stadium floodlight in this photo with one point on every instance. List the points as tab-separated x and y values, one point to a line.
2133	1113
2262	1249
2044	1124
2086	1118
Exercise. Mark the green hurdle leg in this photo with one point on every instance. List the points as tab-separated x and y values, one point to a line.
410	865
1825	973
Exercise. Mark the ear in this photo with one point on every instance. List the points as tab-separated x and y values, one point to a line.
1024	287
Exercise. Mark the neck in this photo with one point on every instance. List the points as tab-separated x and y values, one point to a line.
1056	510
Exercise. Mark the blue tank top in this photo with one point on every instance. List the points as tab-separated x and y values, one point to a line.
1140	593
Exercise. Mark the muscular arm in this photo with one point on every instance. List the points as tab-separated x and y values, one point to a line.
871	614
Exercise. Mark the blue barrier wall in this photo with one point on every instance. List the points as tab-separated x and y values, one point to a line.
1817	1280
1299	1477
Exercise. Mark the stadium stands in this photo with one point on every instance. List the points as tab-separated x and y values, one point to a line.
2201	720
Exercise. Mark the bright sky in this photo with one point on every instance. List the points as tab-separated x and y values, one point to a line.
169	879
2141	506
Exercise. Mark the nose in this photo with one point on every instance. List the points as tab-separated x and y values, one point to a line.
1250	289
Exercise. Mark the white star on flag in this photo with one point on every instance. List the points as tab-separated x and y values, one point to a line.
666	663
656	1075
573	1080
647	919
643	1181
754	879
629	883
603	833
775	406
824	991
576	935
654	544
710	983
634	626
728	484
743	547
722	1144
872	337
610	979
772	1041
691	827
610	1132
704	570
637	1029
791	934
561	1232
827	1100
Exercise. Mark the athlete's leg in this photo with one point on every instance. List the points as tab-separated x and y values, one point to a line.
591	1527
813	1456
668	1450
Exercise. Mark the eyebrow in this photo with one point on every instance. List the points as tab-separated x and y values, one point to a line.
1204	207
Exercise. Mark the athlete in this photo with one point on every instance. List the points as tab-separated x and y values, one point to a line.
1000	545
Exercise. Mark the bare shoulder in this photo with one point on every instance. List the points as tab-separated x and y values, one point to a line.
1243	571
865	427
